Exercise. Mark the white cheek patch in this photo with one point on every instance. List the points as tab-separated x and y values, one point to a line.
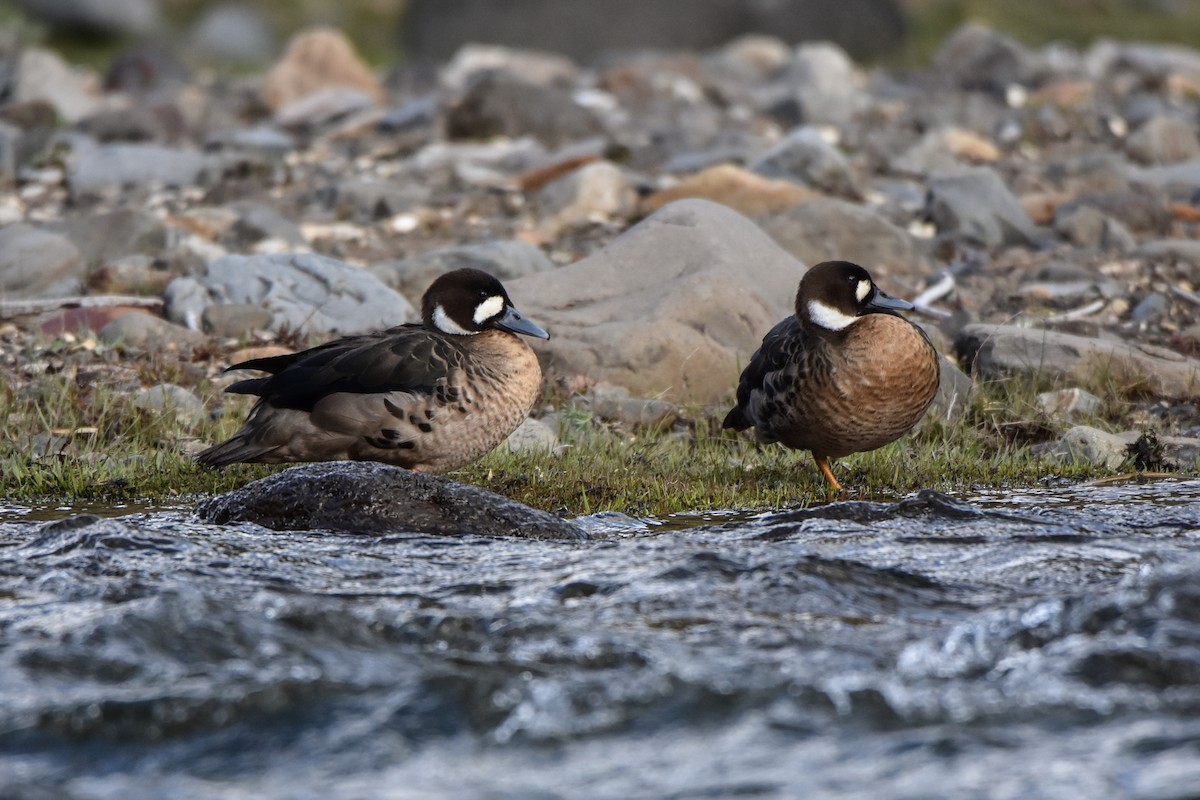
828	317
488	308
864	289
446	325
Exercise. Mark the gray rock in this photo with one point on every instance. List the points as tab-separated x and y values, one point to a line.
997	351
805	156
116	166
1187	250
1180	179
238	32
506	259
824	84
111	236
955	390
369	199
821	230
974	206
977	57
148	332
1067	403
236	320
304	292
614	403
120	17
377	498
1090	446
532	66
170	398
497	104
531	436
1164	140
1150	307
264	143
35	263
256	222
596	192
323	107
640	312
42	75
1087	226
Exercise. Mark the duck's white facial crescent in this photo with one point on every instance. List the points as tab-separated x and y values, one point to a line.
488	308
446	325
864	289
829	317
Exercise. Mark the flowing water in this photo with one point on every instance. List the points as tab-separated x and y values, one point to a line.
1032	644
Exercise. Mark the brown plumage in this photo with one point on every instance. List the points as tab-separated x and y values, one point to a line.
844	375
429	397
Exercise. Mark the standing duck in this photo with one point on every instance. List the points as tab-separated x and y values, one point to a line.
844	375
429	397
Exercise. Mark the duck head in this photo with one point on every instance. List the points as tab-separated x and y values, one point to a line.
833	295
469	301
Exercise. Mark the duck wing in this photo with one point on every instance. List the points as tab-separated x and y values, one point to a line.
407	358
783	347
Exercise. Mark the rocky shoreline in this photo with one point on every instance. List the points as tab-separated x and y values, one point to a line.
653	211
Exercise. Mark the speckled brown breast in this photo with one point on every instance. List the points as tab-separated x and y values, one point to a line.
863	388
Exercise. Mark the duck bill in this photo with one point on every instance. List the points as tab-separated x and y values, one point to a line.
513	322
882	301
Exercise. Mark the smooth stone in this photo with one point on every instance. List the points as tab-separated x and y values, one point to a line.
138	274
944	149
323	107
111	236
595	192
505	259
305	292
977	57
1143	211
1151	307
235	320
498	104
614	403
377	498
1179	179
1066	403
42	75
316	59
955	390
170	397
1000	351
116	166
824	84
640	312
1086	226
148	332
256	221
828	229
35	263
735	187
1090	446
805	156
368	199
1164	140
232	32
975	206
265	143
1187	250
531	436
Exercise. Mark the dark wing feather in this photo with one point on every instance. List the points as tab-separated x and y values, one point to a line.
407	358
781	346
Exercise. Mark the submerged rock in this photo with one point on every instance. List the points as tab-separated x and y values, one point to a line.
378	498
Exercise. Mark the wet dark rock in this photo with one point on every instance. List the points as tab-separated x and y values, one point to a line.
825	229
497	104
997	351
302	291
505	259
638	312
976	207
377	498
38	263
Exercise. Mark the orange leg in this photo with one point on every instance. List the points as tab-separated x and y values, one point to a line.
823	465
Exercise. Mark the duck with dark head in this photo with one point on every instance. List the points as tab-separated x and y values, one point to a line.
429	397
845	374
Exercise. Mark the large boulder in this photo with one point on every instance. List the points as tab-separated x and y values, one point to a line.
303	292
673	308
378	498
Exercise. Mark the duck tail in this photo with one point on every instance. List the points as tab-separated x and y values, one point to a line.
736	419
238	449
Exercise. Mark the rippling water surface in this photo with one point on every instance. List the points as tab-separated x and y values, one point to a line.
1042	644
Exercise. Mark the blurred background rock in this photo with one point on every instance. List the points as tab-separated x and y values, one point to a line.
248	34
